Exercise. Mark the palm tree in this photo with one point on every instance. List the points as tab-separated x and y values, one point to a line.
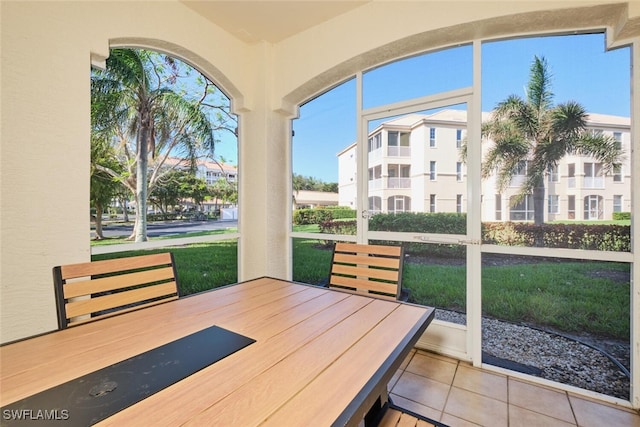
134	104
534	131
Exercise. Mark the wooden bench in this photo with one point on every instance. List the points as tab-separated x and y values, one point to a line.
93	290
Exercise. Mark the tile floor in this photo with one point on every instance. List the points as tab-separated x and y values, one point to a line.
459	395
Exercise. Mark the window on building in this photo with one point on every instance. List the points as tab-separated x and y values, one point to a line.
498	207
617	137
571	207
398	176
617	203
458	138
459	203
553	204
571	175
593	207
432	170
398	204
521	210
432	203
593	175
432	137
375	204
398	143
459	171
375	142
617	172
519	174
553	173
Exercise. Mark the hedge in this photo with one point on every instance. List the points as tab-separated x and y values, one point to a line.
622	216
321	215
599	237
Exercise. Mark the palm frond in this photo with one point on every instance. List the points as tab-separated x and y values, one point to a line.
539	94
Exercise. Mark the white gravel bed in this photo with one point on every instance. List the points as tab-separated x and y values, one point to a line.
553	357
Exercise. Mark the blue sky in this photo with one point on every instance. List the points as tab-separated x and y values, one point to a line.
581	68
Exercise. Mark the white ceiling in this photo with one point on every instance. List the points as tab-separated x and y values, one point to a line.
272	21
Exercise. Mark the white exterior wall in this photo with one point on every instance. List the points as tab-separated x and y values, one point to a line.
446	186
347	190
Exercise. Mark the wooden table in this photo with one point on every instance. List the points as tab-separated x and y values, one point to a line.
321	357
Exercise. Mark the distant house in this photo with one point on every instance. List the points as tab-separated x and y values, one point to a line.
314	199
414	165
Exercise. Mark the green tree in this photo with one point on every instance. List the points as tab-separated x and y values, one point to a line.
103	186
148	117
534	131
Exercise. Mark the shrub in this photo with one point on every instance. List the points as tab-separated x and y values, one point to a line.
339	227
571	236
320	215
622	216
442	223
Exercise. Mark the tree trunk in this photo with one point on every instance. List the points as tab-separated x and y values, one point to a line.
142	161
125	211
538	213
538	205
98	220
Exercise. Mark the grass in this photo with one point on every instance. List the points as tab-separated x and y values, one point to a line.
120	240
200	266
568	296
572	297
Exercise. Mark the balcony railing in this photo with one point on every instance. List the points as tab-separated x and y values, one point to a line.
398	182
399	151
375	155
375	184
593	182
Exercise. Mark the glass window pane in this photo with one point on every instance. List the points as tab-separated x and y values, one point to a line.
436	275
324	145
572	310
418	179
546	187
418	76
311	260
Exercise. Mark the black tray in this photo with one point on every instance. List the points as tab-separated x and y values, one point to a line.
93	397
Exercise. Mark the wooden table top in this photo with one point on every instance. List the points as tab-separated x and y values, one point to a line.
319	358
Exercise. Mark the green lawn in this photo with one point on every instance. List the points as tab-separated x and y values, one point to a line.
200	266
591	297
572	297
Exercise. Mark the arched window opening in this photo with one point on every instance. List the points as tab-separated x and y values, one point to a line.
164	161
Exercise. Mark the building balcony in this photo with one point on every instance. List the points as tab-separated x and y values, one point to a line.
398	182
399	151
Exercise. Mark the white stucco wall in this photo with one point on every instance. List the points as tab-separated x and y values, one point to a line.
45	60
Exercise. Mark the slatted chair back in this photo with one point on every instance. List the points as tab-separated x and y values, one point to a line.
93	290
372	269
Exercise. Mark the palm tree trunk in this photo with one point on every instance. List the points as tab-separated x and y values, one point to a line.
142	162
538	213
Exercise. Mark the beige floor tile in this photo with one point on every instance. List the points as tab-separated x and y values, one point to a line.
520	417
540	399
592	414
452	421
431	367
416	407
478	381
407	359
476	408
422	390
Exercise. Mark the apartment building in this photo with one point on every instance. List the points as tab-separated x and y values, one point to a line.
415	165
